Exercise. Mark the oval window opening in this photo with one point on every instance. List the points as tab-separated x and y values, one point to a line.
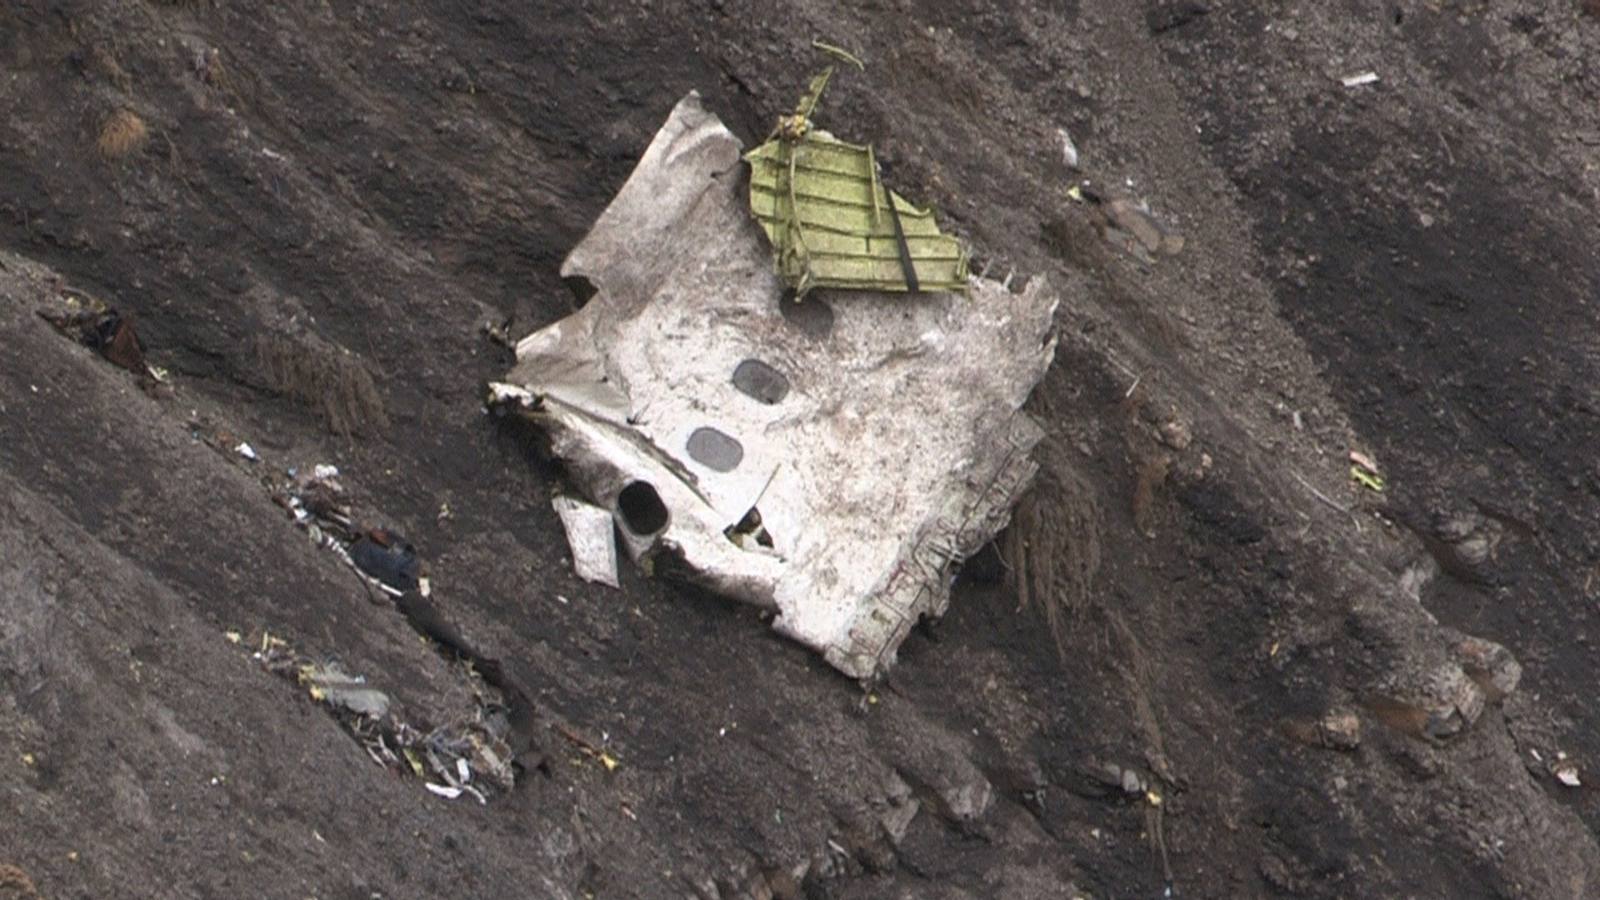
641	508
813	317
715	450
761	382
582	290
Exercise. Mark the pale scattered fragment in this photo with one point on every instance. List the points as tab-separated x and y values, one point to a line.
1364	461
444	790
1359	79
1568	775
246	451
591	535
322	470
332	686
1069	150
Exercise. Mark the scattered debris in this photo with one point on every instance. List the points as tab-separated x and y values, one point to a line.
499	333
502	730
102	328
589	749
591	534
1359	79
329	684
831	222
1367	479
1567	774
1364	471
1069	150
451	753
388	559
247	451
1364	461
843	507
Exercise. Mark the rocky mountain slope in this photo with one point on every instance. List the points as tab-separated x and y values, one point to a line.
1238	672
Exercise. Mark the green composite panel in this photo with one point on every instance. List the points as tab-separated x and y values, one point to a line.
831	226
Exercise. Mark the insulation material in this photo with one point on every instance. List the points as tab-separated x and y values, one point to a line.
831	460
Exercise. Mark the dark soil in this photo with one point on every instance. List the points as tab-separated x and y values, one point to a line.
325	203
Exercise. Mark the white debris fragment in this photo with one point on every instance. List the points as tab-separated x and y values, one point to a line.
443	790
802	457
591	535
1069	150
1568	775
246	451
322	471
463	770
1364	461
1359	79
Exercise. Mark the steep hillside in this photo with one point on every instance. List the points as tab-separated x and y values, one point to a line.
1238	672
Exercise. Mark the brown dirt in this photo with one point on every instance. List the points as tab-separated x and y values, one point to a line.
1404	268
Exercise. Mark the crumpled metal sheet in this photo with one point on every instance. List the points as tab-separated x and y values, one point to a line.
831	460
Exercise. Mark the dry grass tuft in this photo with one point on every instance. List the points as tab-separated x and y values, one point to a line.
16	885
1052	548
123	134
103	60
328	379
1148	481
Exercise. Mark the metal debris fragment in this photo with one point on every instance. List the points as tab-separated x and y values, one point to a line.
840	495
831	222
591	535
